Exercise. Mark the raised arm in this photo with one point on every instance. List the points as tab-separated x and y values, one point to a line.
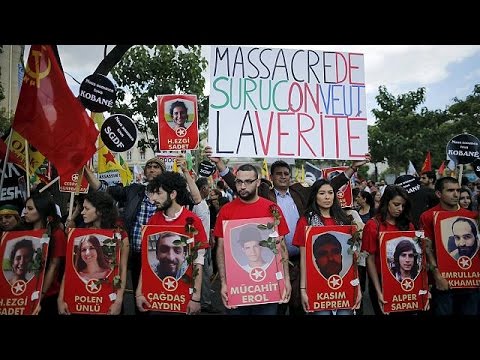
223	170
180	159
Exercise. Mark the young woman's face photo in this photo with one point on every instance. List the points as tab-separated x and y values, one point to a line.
88	252
20	262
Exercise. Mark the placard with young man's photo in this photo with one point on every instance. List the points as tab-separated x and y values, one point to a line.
92	270
331	272
167	275
254	271
456	249
24	255
403	270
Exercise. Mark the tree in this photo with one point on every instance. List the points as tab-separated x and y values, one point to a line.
466	113
401	133
147	71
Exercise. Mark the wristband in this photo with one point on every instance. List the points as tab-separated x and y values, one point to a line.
197	301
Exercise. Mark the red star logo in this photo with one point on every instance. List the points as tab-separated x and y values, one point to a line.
407	284
464	262
19	287
257	274
93	286
170	283
334	282
109	157
181	132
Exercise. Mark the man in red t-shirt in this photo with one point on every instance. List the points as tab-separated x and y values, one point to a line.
444	299
169	192
248	205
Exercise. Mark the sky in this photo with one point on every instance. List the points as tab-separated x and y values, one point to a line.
446	71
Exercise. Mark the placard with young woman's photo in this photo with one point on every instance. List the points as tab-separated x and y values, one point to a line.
177	122
24	255
91	270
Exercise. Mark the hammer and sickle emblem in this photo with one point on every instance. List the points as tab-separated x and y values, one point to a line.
37	74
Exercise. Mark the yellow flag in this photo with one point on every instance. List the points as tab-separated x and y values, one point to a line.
108	167
265	174
125	174
18	148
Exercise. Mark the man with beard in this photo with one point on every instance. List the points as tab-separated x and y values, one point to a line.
169	193
171	257
248	205
328	255
447	301
138	207
465	236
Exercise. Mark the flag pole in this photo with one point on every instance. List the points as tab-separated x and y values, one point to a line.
7	152
49	184
27	168
460	174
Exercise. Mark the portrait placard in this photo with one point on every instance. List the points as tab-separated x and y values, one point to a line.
403	271
254	272
24	255
91	270
332	275
167	281
177	122
344	194
456	244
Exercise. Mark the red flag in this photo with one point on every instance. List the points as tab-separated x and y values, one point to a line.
427	164
50	117
441	169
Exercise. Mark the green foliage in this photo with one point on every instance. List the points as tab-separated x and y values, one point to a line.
109	249
146	71
37	264
466	113
402	132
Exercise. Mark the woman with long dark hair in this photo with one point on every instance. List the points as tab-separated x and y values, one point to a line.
393	215
323	209
40	213
99	212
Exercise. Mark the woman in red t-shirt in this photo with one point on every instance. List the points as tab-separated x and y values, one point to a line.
323	209
41	213
393	215
99	212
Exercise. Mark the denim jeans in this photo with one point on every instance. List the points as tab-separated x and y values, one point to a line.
455	302
263	309
330	312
